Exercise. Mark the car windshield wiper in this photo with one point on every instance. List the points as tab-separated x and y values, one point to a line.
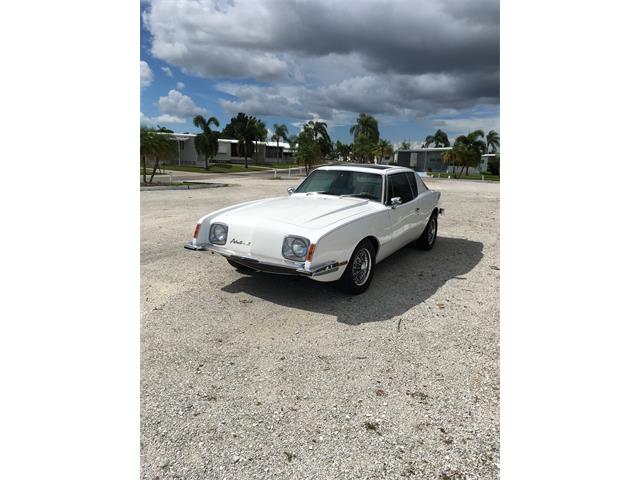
361	194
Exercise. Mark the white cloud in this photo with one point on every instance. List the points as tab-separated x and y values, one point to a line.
160	119
168	71
144	120
146	74
165	118
222	44
175	108
220	38
177	105
324	59
379	94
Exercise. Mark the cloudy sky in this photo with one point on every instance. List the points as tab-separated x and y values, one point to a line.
416	65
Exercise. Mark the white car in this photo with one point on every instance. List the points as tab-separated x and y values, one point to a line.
335	227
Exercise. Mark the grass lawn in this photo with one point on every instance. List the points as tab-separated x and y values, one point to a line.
280	165
214	168
150	170
163	184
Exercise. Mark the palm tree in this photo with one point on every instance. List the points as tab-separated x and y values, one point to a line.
293	144
454	157
405	145
470	148
439	139
157	146
246	130
280	132
207	141
365	136
383	149
343	150
493	141
309	151
448	158
146	149
321	136
367	126
261	136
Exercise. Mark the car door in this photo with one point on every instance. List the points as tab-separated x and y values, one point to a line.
404	218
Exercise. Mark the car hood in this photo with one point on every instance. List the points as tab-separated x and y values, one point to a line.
307	211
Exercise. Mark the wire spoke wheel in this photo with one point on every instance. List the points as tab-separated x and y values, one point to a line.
427	239
431	231
361	267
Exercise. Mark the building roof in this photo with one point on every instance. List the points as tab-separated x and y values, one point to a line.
268	144
275	144
429	149
179	136
188	136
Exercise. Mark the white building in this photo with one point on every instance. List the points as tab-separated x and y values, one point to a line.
484	161
422	159
229	151
430	160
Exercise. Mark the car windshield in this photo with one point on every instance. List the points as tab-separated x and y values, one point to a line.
343	182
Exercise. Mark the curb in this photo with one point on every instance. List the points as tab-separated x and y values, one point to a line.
184	187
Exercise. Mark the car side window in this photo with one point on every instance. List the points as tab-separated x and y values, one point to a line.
411	178
421	186
399	186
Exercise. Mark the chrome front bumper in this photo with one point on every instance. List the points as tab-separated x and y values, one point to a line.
252	263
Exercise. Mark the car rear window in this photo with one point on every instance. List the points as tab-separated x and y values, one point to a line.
400	186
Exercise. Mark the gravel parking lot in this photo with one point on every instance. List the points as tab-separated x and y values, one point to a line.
259	376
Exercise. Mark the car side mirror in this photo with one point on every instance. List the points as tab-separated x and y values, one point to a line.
290	190
395	201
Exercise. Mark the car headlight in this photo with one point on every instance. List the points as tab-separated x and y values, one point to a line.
295	248
218	233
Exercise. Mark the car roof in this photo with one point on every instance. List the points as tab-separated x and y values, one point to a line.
366	168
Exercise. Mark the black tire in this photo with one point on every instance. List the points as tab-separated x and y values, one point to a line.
355	280
427	240
239	267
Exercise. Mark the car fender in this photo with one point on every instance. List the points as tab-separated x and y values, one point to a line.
339	243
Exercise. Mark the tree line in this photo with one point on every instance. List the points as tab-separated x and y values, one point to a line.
313	143
467	150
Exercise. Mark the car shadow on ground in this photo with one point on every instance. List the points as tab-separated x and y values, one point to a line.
402	281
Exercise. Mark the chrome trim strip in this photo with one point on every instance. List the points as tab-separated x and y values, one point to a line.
198	248
328	267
